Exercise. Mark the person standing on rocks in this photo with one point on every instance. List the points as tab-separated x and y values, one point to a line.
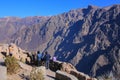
43	59
39	57
47	59
54	58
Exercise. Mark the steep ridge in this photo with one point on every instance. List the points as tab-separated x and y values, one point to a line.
88	38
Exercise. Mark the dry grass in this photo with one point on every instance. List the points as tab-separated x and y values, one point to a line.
12	65
36	74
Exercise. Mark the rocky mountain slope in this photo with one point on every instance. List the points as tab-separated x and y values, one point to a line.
88	38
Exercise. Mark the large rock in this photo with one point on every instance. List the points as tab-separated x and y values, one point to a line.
81	76
18	53
55	65
67	67
63	66
60	75
4	49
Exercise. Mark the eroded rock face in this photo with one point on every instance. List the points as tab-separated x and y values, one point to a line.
67	71
101	62
80	37
17	52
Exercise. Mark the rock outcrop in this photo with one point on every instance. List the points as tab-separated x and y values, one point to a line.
81	76
66	71
17	52
67	67
63	70
60	75
81	37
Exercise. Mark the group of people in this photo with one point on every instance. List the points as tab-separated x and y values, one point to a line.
39	59
43	59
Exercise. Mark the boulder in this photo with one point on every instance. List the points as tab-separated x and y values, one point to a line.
67	67
4	49
18	53
80	75
60	75
55	65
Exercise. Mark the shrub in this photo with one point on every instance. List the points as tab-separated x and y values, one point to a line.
37	74
11	64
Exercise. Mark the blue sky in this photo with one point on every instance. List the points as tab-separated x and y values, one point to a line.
24	8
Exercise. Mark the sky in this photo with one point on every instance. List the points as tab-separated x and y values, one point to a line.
25	8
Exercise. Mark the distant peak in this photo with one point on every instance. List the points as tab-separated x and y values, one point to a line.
10	17
92	7
113	6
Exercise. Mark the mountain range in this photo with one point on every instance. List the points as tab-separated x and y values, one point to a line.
89	38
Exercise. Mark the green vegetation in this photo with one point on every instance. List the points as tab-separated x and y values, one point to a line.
12	65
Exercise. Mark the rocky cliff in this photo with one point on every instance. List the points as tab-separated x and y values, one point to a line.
88	38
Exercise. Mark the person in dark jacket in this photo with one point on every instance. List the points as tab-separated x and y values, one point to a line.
47	59
39	57
43	59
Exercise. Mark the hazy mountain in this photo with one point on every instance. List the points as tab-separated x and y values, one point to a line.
88	37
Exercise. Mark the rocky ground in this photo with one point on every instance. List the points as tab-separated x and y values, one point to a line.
24	73
50	75
3	70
